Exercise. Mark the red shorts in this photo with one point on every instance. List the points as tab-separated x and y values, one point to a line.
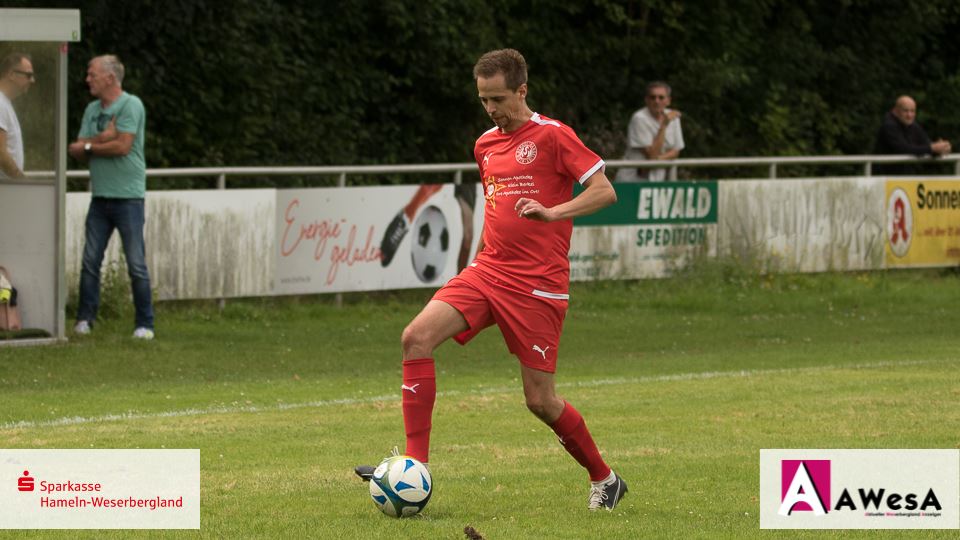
530	324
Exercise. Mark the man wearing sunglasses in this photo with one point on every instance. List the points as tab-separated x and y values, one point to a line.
16	77
654	134
111	139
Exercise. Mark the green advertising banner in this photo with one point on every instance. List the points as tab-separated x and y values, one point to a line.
654	227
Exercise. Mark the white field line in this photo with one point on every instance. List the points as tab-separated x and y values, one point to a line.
77	420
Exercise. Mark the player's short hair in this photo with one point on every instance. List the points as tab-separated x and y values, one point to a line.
12	61
111	63
658	84
507	61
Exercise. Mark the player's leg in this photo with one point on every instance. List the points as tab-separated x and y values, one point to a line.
436	323
566	422
539	390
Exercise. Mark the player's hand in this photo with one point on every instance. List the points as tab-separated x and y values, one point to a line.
673	115
532	209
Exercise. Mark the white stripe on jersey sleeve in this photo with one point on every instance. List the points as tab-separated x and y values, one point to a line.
600	164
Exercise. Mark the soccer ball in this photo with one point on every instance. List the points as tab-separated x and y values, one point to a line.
431	243
401	486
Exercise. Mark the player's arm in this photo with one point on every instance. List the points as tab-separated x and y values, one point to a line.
598	193
7	165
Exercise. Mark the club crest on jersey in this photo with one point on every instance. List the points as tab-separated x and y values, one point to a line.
490	189
526	152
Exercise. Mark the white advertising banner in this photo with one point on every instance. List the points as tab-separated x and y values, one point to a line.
804	225
859	489
371	238
655	228
99	489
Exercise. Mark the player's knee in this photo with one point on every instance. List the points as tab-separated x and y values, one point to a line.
415	343
538	406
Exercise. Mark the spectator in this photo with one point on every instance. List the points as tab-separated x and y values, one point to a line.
16	77
901	134
654	134
111	138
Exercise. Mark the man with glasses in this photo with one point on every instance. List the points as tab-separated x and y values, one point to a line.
16	77
111	139
654	134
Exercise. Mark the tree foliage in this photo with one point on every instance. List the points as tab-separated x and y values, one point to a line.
307	82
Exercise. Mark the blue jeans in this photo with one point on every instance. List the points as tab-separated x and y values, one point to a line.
127	217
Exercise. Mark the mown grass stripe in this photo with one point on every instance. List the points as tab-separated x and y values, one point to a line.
79	420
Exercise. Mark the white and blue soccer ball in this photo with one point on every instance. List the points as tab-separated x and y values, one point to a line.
431	244
401	486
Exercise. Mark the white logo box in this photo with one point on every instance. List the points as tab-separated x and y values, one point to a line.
99	489
849	482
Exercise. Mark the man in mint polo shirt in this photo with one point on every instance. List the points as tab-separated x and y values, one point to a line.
111	139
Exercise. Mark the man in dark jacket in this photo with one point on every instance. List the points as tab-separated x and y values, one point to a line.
901	134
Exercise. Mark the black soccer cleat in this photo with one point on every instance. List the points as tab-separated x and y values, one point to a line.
607	495
392	237
365	472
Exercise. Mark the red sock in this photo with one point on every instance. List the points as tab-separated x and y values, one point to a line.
418	393
576	439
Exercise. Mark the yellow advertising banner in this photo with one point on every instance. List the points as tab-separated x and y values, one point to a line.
923	222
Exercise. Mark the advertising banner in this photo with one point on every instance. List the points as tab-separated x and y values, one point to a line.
654	228
99	489
373	238
923	223
803	224
860	489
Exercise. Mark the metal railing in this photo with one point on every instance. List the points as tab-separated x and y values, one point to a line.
342	172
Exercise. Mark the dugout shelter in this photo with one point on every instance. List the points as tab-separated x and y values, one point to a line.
32	208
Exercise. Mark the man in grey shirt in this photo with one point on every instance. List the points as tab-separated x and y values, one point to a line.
654	134
16	77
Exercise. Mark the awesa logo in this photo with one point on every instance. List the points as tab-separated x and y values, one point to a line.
805	486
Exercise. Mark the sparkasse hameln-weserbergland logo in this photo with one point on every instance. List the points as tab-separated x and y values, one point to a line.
25	482
806	488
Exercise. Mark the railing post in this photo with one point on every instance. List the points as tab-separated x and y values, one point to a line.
673	173
868	168
458	178
222	184
956	167
341	182
773	170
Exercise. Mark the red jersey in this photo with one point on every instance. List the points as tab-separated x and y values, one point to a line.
541	160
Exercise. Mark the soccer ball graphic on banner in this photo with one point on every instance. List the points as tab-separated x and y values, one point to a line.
401	486
431	243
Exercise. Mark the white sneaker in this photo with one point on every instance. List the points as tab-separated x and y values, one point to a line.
143	333
82	328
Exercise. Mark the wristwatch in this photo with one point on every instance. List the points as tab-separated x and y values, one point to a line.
88	148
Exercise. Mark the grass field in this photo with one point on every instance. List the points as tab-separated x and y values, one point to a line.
681	381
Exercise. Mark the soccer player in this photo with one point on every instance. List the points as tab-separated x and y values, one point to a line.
519	279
